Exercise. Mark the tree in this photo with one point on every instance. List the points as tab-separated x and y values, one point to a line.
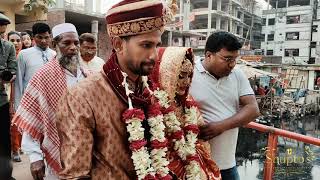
43	4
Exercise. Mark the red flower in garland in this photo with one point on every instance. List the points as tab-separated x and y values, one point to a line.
169	109
158	145
177	135
133	113
191	103
154	110
167	177
192	127
149	177
136	145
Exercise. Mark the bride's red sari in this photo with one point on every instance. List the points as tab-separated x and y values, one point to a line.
167	74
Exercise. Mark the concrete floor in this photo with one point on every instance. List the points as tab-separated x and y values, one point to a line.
21	170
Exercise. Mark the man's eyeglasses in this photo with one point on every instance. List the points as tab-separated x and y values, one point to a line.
228	59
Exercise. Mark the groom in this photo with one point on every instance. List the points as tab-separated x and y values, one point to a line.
94	140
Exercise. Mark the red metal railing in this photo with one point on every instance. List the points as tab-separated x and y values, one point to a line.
273	142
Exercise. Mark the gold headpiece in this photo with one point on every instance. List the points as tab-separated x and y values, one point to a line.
173	59
187	66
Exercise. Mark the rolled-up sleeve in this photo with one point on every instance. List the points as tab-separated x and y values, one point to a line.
75	125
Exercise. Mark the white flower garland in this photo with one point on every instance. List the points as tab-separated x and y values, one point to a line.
146	165
155	164
184	145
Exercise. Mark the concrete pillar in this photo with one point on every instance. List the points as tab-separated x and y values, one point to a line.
59	3
181	6
95	28
218	22
98	6
210	5
242	16
187	42
219	5
88	5
226	25
170	38
241	31
311	77
231	29
186	13
209	14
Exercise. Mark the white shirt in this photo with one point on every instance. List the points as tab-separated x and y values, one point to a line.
29	61
218	99
32	147
94	65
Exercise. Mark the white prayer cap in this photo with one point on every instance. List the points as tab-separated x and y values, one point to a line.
63	28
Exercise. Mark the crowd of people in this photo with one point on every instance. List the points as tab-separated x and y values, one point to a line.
144	113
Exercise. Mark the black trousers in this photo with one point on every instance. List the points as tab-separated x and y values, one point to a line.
5	143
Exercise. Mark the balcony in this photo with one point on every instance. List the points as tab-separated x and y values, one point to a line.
89	7
74	6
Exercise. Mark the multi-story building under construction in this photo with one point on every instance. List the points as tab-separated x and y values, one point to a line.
207	16
290	30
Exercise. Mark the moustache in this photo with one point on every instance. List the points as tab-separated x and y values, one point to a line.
149	62
89	52
69	59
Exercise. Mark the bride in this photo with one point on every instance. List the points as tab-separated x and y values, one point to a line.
189	157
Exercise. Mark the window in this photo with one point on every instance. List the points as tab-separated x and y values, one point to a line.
299	3
238	30
292	36
200	22
270	37
239	15
271	21
263	37
293	19
213	23
312	60
270	52
291	52
214	6
281	3
263	21
314	28
313	44
202	38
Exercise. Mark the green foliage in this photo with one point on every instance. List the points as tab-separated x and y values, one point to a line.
28	7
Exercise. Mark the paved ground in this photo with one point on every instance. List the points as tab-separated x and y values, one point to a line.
21	170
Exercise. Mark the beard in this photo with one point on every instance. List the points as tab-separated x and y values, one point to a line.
68	62
145	69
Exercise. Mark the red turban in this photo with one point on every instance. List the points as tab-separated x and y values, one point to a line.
132	17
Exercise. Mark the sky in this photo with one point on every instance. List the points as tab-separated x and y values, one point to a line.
261	5
107	4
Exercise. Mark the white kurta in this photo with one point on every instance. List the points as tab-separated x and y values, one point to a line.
95	65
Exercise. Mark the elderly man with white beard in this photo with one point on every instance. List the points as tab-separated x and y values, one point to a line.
36	113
